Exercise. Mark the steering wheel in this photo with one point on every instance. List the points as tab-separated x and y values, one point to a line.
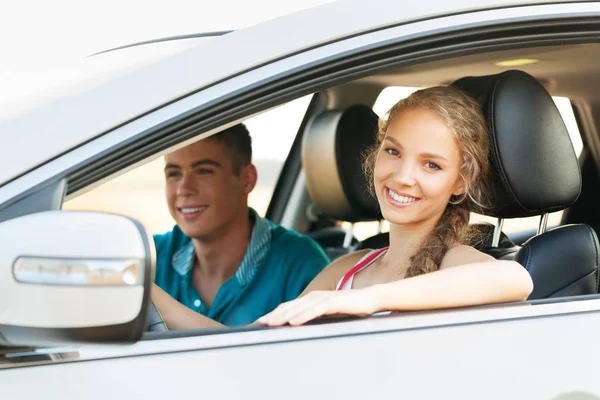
155	323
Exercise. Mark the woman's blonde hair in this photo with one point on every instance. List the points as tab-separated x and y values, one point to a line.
463	115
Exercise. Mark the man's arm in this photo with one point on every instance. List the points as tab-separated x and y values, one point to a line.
176	315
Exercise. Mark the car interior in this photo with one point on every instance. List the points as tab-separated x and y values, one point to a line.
535	169
322	192
535	172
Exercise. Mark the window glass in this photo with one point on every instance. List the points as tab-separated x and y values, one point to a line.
273	134
390	96
364	230
140	192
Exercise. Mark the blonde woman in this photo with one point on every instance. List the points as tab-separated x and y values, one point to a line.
428	171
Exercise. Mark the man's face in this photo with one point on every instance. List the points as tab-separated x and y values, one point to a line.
204	195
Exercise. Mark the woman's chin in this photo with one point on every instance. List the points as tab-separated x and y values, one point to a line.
397	217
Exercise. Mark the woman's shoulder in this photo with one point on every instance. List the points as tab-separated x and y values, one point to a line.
462	254
341	265
351	259
329	277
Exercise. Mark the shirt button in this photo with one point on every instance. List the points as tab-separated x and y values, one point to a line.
197	303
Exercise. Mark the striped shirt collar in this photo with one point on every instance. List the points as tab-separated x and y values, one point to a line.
260	241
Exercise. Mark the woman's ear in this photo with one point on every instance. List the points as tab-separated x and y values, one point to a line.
459	187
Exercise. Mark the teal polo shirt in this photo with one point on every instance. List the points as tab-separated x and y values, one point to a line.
277	266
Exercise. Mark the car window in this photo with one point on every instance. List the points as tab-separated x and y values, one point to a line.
390	95
140	192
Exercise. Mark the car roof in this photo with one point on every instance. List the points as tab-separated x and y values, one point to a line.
101	95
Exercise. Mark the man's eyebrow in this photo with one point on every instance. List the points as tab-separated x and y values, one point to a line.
206	161
197	163
170	165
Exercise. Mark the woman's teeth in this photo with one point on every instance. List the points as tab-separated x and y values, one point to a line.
401	199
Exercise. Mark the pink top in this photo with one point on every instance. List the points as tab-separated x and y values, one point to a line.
346	282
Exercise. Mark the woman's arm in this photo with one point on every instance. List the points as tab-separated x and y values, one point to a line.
483	280
464	285
176	315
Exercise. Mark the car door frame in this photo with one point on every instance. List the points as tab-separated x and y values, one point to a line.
227	102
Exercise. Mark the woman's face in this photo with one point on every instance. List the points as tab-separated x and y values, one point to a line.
417	169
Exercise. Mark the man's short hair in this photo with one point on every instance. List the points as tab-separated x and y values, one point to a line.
238	145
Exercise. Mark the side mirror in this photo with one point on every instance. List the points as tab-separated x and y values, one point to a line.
73	277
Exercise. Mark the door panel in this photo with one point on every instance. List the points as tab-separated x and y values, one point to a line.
539	358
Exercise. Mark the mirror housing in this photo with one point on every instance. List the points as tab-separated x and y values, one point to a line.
71	277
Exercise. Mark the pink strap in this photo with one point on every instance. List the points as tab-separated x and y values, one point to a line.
362	264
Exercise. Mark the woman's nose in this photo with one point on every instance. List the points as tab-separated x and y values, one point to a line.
405	174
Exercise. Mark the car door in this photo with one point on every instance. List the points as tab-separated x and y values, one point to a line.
530	351
496	351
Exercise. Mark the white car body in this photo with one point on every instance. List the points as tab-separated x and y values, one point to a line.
545	350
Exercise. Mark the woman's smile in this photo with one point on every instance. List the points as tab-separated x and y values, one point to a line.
400	199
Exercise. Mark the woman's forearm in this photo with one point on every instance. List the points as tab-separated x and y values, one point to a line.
176	315
465	285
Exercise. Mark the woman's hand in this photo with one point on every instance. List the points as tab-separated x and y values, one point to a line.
360	302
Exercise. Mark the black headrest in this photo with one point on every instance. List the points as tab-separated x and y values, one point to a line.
535	169
332	154
562	262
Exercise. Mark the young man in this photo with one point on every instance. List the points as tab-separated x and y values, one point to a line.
222	260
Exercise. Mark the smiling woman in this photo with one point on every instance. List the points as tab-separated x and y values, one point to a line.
390	95
428	170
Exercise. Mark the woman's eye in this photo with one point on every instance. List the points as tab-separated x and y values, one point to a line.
432	165
392	151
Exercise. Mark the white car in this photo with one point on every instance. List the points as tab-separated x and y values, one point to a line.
74	285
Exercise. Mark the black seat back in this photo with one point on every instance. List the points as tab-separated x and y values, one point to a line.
562	262
535	172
